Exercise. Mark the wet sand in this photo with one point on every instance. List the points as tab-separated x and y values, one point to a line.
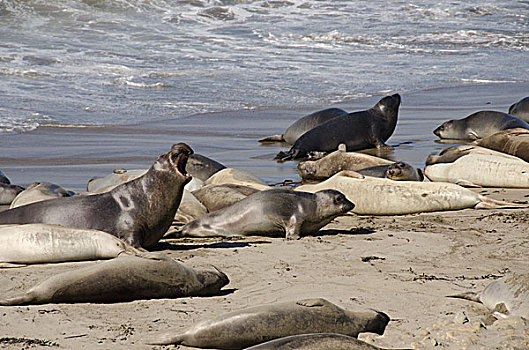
402	265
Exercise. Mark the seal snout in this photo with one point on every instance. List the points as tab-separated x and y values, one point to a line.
180	153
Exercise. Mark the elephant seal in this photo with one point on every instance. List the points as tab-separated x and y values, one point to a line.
315	341
478	125
475	170
43	243
451	154
237	177
9	192
139	211
399	171
337	161
507	296
40	191
357	130
521	109
118	176
305	124
375	196
126	278
272	212
202	167
247	327
215	197
514	142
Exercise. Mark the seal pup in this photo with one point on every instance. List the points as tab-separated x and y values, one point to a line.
305	124
139	211
237	177
451	154
315	341
520	109
126	278
514	142
357	130
399	171
507	296
337	161
9	192
40	191
272	213
375	196
482	170
44	243
215	197
247	327
478	125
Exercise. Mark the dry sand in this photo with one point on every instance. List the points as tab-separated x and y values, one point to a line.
401	265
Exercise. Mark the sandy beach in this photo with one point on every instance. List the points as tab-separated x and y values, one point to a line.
402	265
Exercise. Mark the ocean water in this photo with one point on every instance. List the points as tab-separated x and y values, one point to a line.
97	62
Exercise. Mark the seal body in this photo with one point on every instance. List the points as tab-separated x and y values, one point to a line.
255	325
451	154
358	130
305	124
127	278
139	211
521	109
337	161
215	197
272	213
508	296
482	170
315	341
40	191
9	192
513	141
202	167
42	243
478	125
399	171
237	177
375	196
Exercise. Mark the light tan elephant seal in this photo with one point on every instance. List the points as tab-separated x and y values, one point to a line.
255	325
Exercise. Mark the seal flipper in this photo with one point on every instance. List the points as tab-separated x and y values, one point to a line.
6	265
313	302
168	339
488	203
272	138
293	228
24	299
289	155
472	296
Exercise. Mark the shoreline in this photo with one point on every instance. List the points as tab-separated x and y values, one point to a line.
70	157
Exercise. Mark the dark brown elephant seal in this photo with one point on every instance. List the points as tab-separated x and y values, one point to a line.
139	211
315	341
248	327
357	130
126	278
272	213
521	109
304	124
513	141
478	125
202	167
